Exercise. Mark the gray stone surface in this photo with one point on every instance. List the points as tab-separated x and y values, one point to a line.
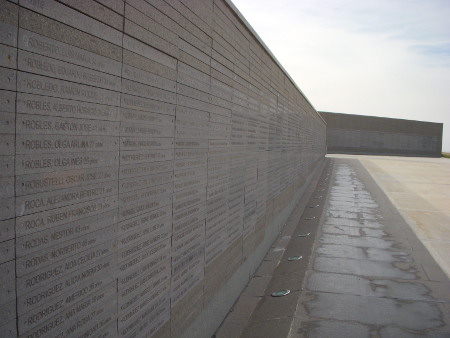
140	188
374	284
356	134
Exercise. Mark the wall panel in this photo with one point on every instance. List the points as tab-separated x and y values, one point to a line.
150	152
357	134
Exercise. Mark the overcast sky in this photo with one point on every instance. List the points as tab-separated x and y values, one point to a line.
387	58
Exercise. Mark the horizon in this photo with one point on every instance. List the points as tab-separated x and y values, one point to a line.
387	59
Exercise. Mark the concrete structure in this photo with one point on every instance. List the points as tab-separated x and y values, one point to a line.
356	134
150	153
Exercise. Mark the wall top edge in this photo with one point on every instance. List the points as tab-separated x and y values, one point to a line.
378	117
261	42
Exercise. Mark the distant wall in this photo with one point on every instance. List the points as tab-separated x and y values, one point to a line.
356	134
150	153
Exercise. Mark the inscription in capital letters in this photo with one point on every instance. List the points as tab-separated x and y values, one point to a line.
43	45
33	183
48	256
32	124
41	85
50	67
63	233
50	218
52	199
28	144
51	106
32	163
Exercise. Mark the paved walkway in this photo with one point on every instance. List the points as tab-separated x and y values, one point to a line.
364	272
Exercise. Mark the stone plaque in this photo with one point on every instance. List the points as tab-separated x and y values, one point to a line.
43	45
155	277
34	183
62	293
139	89
133	143
35	264
148	52
145	242
63	234
7	78
191	143
29	144
7	251
150	229
139	75
69	288
7	313
183	175
6	208
7	143
184	217
149	168
54	217
145	181
9	330
8	56
155	281
192	118
133	129
46	66
190	153
192	121
85	316
144	206
194	133
32	163
215	247
133	268
142	156
7	229
152	319
32	124
51	106
145	104
189	197
8	33
185	281
59	198
7	282
7	102
142	195
7	185
185	243
150	312
153	221
38	259
75	19
145	117
41	85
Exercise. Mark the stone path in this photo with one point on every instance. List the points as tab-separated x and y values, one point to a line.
364	272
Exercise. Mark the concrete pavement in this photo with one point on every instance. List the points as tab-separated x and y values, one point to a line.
364	272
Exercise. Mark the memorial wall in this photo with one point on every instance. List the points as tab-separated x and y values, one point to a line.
358	134
150	153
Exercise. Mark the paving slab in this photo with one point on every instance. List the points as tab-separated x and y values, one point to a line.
365	270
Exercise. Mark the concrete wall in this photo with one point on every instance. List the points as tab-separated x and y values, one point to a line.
150	154
356	134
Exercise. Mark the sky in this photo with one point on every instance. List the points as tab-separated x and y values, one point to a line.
388	58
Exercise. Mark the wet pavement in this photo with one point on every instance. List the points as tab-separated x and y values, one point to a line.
363	272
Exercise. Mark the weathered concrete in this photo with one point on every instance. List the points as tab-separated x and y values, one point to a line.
420	189
366	275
